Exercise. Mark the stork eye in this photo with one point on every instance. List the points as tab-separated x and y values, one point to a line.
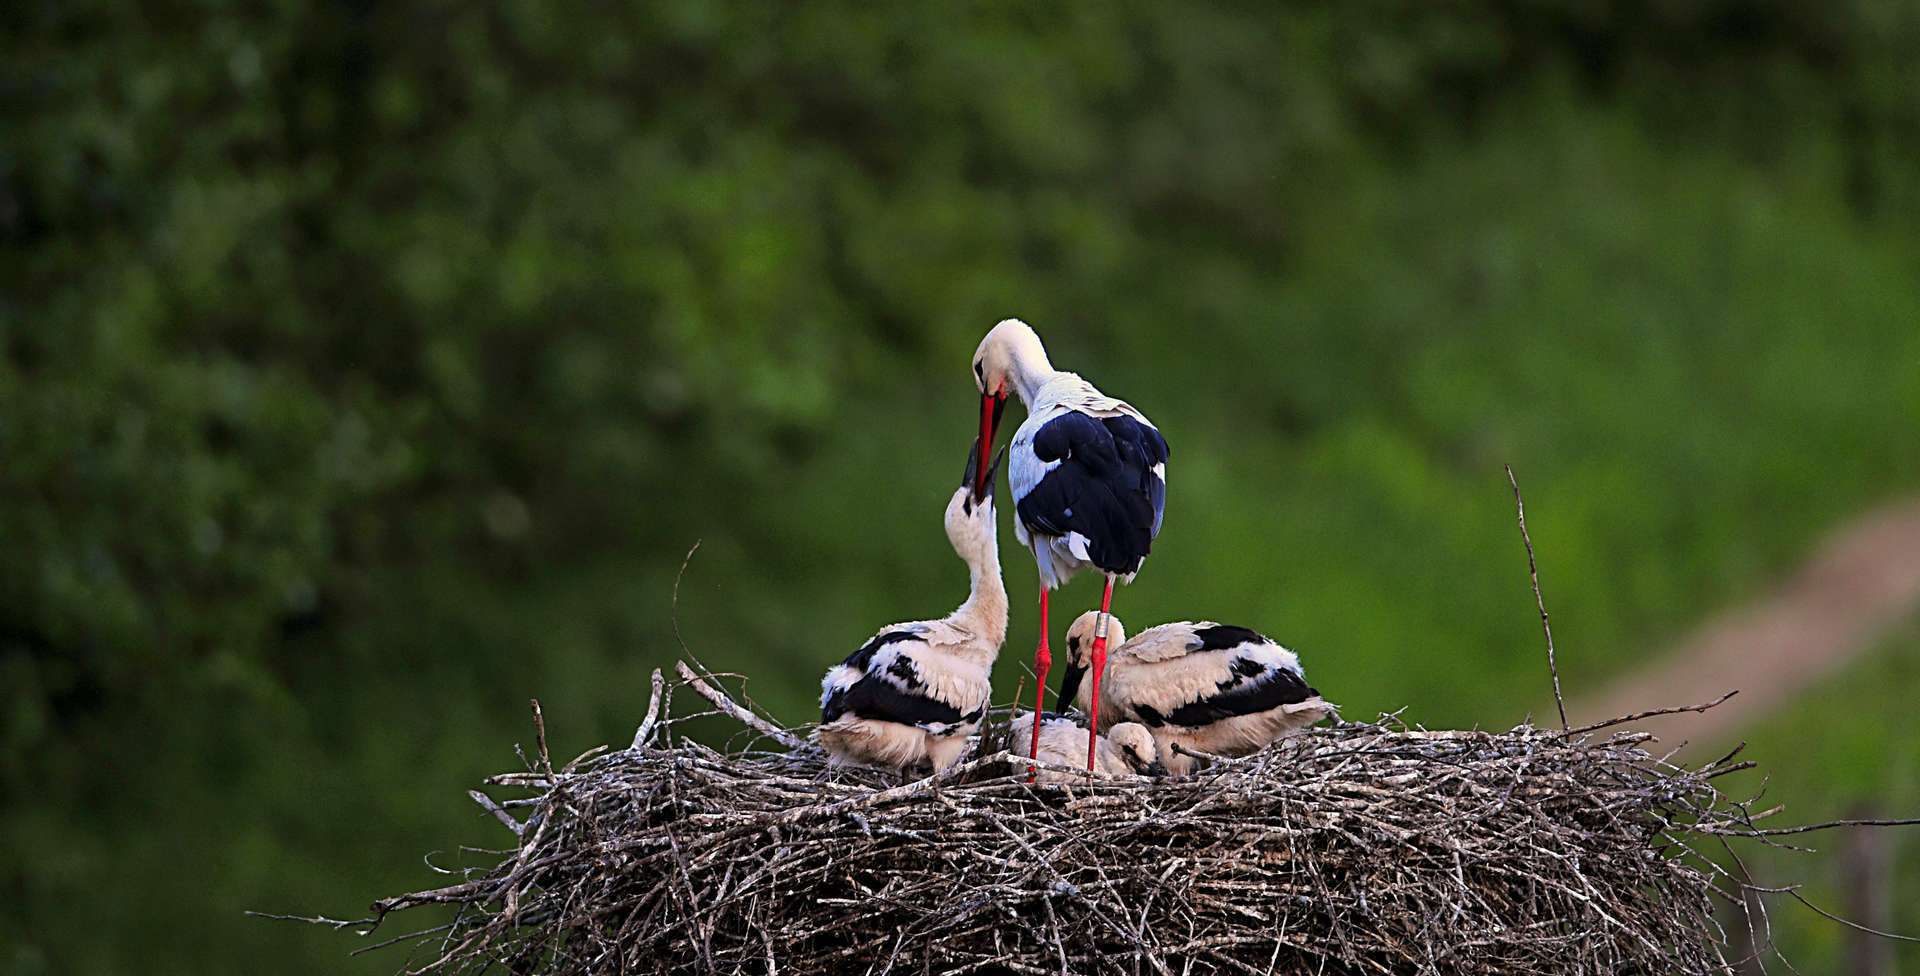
980	369
1073	644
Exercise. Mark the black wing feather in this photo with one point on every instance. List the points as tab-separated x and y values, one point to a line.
875	697
1104	488
882	700
862	659
1221	637
1250	687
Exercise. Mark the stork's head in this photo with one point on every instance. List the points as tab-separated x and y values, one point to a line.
970	523
1135	746
1010	360
1080	653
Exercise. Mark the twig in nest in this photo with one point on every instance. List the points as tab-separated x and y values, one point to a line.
540	736
333	923
645	731
1802	899
1533	571
1650	713
506	819
1825	825
739	712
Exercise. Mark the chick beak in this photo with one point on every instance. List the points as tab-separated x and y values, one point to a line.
983	488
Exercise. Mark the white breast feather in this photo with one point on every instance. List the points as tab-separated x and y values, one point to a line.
1024	467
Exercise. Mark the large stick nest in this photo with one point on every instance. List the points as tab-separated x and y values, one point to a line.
1364	848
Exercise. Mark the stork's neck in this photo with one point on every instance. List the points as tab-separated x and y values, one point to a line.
985	612
1031	371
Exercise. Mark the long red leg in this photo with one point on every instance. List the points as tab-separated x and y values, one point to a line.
1099	666
1042	660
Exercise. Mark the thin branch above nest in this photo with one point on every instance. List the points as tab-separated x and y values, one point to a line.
1366	848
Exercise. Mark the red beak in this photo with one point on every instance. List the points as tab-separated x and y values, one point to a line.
990	406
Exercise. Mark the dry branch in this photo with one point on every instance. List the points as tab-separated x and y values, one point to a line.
644	733
1533	571
735	709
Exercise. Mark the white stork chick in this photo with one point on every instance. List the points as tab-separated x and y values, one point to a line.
1089	476
1127	749
1209	687
913	693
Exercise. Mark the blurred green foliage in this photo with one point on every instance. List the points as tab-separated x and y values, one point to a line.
368	369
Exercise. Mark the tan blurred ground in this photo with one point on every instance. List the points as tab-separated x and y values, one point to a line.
1861	583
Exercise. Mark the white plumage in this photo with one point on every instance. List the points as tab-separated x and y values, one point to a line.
1126	749
1209	687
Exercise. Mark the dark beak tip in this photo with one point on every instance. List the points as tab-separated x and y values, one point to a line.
984	493
1070	684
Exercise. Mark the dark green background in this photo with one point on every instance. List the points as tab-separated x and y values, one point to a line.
367	369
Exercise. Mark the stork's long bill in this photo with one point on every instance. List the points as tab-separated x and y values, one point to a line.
991	404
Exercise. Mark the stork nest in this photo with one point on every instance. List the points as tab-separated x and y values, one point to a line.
1363	848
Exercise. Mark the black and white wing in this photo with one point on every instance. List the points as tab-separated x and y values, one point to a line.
1220	672
1098	482
882	681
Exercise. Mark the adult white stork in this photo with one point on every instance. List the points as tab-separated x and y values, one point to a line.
915	691
1089	477
1210	687
1125	749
